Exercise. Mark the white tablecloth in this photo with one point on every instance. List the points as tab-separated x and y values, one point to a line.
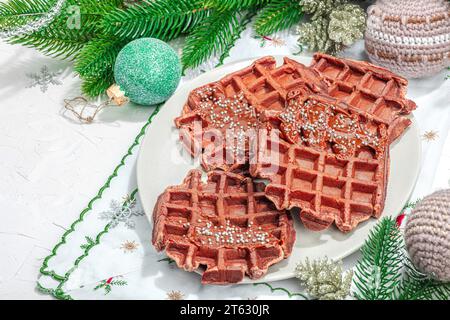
51	165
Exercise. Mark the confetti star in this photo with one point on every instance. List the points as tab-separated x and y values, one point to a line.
129	246
430	135
175	295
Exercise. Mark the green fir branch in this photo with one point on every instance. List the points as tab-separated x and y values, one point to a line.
162	19
236	35
15	13
94	86
417	286
95	65
56	42
58	39
98	56
278	15
228	5
379	270
213	36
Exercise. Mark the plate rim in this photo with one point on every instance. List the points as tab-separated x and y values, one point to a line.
283	276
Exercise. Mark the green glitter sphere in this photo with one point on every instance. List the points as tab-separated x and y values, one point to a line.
148	71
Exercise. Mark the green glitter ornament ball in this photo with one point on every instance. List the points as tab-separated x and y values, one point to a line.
148	71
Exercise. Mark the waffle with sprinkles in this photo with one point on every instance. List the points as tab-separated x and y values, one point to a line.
226	225
219	117
372	90
334	167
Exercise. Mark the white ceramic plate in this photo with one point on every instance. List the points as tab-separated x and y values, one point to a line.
163	162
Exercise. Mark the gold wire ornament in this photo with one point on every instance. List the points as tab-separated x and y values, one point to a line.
86	111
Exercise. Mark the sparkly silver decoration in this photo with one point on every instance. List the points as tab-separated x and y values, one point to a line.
44	78
347	24
334	24
34	26
122	212
324	279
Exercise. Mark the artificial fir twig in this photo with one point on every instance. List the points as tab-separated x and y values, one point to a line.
57	39
162	19
210	37
236	35
212	26
227	5
15	13
382	274
378	271
278	15
417	286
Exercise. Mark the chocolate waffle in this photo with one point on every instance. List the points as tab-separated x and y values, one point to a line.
216	119
226	225
363	86
334	167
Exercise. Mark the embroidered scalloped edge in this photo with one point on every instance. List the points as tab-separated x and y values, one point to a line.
290	294
43	270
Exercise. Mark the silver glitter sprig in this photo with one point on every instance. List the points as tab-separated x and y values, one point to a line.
36	25
334	25
324	279
347	24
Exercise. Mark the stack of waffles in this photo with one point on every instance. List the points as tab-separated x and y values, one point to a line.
319	136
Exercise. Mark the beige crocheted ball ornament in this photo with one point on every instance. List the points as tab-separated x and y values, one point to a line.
427	235
409	37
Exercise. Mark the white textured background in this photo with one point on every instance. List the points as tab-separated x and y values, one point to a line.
51	166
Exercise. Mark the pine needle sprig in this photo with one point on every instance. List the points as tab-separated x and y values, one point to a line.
213	36
58	39
228	5
162	19
418	286
16	13
278	15
378	271
97	85
97	56
56	42
237	35
95	65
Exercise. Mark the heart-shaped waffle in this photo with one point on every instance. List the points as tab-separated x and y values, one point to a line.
226	225
218	118
334	168
369	88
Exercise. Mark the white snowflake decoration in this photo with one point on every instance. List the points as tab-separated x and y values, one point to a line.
122	212
44	78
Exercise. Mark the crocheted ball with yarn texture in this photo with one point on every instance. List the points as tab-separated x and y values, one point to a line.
409	37
427	235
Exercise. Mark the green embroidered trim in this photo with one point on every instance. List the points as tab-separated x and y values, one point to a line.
51	273
290	294
411	204
59	294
